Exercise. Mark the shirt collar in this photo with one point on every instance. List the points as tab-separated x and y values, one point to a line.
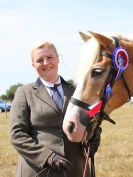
49	84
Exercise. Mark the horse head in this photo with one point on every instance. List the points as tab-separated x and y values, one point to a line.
103	83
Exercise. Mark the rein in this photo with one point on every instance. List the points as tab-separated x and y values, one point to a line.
100	115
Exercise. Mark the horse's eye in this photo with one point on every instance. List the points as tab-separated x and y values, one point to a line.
96	72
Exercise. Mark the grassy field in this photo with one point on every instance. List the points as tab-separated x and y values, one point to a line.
8	156
115	155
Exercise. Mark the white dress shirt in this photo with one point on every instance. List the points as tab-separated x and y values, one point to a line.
49	84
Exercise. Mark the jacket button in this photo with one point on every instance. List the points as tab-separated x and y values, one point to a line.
61	143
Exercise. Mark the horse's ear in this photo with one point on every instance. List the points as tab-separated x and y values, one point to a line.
84	36
104	41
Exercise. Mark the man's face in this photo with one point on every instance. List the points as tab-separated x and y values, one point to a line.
45	61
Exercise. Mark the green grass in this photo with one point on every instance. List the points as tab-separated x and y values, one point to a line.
113	159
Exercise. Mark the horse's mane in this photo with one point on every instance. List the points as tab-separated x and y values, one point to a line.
125	37
90	52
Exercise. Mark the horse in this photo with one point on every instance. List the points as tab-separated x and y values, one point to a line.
103	83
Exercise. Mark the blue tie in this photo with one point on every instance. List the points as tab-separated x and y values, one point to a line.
57	97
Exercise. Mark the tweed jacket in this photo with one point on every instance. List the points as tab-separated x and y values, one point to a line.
36	131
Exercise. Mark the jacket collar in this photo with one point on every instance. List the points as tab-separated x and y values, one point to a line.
42	93
38	83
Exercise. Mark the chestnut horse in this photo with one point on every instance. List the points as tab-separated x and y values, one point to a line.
104	83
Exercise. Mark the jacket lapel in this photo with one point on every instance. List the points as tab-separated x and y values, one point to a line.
42	93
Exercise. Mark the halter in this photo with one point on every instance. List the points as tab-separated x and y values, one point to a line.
101	115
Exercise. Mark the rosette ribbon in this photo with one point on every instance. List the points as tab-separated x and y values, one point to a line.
120	63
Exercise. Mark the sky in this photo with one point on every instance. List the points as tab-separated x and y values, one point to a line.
24	23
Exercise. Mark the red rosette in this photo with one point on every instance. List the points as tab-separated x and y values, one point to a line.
120	58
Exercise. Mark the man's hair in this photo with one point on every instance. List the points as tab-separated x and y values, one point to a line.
43	45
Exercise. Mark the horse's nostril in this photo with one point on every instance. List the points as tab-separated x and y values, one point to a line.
71	127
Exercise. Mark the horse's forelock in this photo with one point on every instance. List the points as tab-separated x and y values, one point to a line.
88	56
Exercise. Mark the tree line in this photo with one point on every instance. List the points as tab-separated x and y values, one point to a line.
9	95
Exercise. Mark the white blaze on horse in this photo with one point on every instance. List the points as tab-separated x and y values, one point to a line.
104	83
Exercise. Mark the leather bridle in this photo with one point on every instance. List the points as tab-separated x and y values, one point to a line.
101	115
111	77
